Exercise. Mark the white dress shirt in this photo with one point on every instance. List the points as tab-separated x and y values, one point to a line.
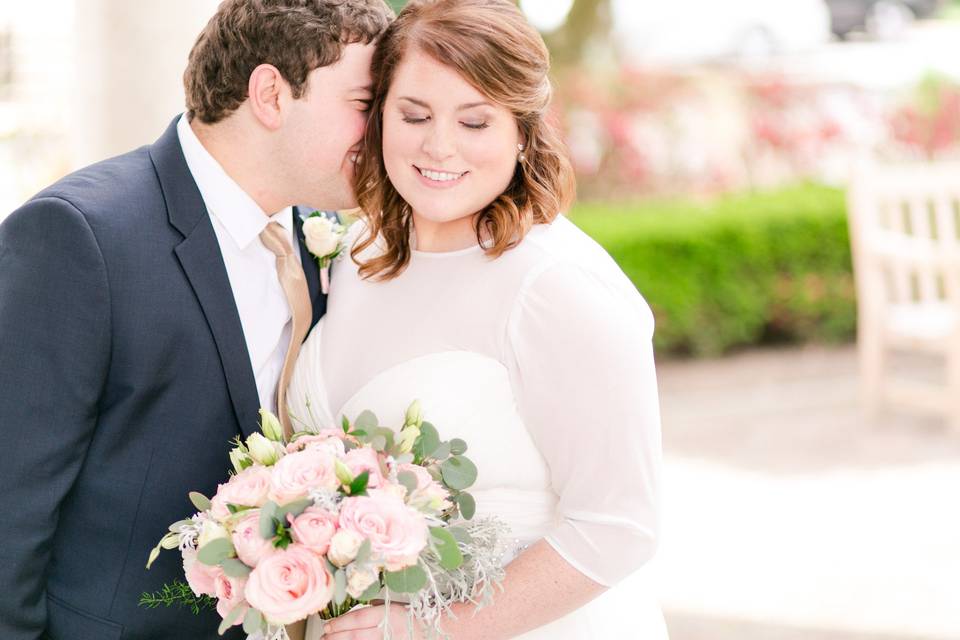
251	267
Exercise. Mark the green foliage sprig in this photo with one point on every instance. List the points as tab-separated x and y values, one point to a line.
180	594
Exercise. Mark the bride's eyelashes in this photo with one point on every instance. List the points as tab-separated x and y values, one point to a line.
469	125
363	105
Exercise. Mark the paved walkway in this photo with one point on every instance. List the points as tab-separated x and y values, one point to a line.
787	517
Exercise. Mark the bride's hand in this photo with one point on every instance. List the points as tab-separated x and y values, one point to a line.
364	624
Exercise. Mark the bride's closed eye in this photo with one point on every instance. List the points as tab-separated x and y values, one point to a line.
412	119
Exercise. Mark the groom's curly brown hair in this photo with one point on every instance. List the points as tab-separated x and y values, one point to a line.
295	36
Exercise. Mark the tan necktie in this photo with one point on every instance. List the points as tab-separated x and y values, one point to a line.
294	285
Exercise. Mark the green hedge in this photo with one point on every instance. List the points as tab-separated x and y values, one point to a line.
743	270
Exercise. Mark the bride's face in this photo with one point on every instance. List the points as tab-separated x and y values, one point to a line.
447	149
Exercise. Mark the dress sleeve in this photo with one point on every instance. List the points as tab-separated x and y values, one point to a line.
581	359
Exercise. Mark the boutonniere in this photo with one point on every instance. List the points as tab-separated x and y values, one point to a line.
324	239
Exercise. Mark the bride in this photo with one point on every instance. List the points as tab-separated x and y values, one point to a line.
466	290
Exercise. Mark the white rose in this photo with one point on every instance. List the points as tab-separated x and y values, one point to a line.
344	547
358	580
322	235
210	531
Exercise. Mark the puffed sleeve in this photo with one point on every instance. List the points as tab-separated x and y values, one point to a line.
581	358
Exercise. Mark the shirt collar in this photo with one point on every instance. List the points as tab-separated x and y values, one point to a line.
233	207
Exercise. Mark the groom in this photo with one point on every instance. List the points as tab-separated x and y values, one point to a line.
142	319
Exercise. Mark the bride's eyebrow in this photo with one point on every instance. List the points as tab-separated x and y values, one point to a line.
419	103
468	105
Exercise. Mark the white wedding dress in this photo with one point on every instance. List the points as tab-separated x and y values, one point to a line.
542	361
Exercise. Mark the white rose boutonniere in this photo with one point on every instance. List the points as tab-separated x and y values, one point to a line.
324	239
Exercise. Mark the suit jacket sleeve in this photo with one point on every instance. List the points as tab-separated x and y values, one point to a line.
54	354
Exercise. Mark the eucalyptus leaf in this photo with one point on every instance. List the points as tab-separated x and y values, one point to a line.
466	504
215	552
175	527
409	480
366	420
268	513
461	534
427	442
378	442
458	447
231	618
253	621
294	509
388	435
447	548
442	452
372	592
459	472
200	501
409	580
363	553
235	568
404	458
340	587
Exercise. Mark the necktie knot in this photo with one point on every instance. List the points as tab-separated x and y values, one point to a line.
274	238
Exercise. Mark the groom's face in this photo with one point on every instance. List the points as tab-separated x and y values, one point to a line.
324	128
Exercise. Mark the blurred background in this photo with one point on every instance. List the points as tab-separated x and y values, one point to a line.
731	157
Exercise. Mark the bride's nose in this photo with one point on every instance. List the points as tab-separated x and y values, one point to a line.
439	143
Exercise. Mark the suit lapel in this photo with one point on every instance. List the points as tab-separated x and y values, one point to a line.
310	268
199	255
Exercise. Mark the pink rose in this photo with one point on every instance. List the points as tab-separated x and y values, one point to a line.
429	493
424	479
250	545
365	459
202	578
329	439
297	473
248	489
229	592
397	533
313	529
289	585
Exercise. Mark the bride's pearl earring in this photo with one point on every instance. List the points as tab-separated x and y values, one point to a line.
520	156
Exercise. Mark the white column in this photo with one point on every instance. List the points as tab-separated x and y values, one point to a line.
130	58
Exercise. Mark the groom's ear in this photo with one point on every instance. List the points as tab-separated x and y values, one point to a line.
266	92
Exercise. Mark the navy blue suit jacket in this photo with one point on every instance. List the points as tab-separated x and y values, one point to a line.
124	374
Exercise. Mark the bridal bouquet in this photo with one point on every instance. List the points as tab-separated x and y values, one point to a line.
334	519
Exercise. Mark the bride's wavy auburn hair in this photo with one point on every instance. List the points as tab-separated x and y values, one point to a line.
493	47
